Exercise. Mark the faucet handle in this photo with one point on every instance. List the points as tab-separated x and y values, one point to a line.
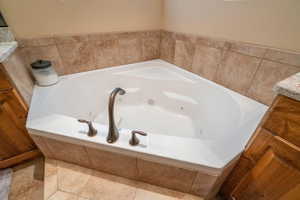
92	131
134	140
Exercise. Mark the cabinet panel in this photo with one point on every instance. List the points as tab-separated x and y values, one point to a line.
14	138
4	82
271	178
241	169
265	140
273	157
284	119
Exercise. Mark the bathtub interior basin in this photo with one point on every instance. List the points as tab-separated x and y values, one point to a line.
188	118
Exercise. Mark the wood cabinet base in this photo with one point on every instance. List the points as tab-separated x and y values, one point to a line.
19	158
269	168
15	142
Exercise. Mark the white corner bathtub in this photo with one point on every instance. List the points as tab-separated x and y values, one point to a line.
190	121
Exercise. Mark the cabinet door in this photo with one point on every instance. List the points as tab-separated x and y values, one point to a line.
284	119
276	173
14	138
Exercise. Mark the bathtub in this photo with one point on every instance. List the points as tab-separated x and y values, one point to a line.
192	123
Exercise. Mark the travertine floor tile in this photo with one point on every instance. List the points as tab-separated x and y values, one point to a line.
27	181
79	183
50	185
108	187
146	191
72	178
148	195
63	196
50	167
149	192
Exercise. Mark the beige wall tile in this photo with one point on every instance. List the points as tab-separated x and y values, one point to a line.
77	57
184	53
151	47
107	53
248	49
108	187
167	48
129	35
292	58
221	178
151	33
72	178
185	37
237	71
42	145
268	74
130	50
36	42
113	163
46	53
203	184
206	61
211	42
68	152
103	36
166	176
66	39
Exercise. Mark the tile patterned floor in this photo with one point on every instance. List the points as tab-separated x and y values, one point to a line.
28	181
64	181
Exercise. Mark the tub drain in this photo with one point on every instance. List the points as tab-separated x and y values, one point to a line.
151	102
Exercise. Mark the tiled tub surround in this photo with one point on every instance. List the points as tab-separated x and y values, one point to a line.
79	53
184	149
182	179
248	69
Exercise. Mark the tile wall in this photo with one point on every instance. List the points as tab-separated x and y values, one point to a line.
248	69
78	53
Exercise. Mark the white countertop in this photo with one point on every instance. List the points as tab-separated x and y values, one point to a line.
6	49
289	87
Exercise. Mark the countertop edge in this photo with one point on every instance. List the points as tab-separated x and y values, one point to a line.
289	87
9	48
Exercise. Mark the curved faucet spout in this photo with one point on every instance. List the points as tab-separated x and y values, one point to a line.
113	133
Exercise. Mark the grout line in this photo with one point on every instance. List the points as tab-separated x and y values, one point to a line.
52	195
220	63
275	61
88	156
57	187
253	77
194	180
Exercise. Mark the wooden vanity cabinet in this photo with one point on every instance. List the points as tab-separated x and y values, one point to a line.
269	168
15	143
